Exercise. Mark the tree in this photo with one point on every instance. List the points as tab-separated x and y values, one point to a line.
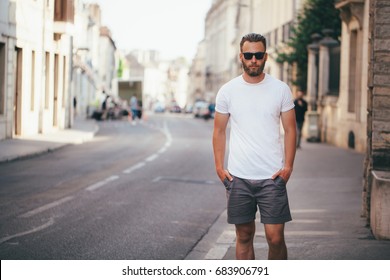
316	16
120	69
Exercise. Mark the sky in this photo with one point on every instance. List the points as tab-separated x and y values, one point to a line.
173	27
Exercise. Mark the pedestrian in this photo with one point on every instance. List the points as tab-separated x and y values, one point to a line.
300	110
74	105
134	108
105	105
258	169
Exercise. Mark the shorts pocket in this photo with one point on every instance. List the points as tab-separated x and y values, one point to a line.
227	184
280	181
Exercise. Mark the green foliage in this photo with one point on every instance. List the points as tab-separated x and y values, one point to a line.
315	16
120	69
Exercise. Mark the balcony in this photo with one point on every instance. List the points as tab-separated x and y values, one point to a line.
63	16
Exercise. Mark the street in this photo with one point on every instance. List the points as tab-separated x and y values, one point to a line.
135	192
149	191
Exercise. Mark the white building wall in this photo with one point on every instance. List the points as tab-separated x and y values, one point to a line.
27	17
107	64
197	73
89	60
45	67
54	111
182	87
355	122
228	21
220	33
153	80
269	19
7	36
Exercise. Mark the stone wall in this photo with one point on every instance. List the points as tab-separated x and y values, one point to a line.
378	122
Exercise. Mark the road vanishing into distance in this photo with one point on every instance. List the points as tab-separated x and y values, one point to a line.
144	191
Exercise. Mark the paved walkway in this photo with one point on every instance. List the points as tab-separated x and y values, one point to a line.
22	147
324	192
325	198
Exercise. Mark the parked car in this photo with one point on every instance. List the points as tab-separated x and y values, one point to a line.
175	108
200	109
159	107
188	109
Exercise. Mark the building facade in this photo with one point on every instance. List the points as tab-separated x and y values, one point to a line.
95	60
351	120
376	193
197	75
7	46
36	46
272	19
221	54
50	56
225	24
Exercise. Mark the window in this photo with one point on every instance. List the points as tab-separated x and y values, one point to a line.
64	10
2	77
47	80
334	71
32	101
63	81
352	71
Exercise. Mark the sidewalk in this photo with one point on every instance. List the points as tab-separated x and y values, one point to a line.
23	147
325	193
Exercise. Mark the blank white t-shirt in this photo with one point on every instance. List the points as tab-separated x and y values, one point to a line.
255	148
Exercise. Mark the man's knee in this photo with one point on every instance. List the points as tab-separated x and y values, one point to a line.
275	235
275	240
245	233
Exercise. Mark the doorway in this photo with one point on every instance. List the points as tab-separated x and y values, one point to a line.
18	92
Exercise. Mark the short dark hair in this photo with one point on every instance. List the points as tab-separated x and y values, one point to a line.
253	37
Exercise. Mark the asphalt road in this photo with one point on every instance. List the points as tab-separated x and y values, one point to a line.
146	191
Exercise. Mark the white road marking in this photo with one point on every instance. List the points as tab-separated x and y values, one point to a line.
217	252
139	165
296	211
228	236
134	167
311	233
42	227
102	183
152	158
303	221
46	207
155	180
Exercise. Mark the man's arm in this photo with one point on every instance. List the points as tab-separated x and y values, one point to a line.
219	144
289	126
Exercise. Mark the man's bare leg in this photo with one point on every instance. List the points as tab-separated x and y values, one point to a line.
244	241
276	244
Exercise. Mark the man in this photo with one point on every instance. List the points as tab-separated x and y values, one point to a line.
257	170
300	110
134	108
105	105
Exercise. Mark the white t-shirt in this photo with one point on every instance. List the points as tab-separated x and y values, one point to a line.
255	148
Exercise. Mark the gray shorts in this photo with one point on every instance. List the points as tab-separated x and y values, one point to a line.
244	196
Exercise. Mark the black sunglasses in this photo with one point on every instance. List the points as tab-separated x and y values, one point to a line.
258	55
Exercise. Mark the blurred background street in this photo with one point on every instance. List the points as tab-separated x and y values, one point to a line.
149	191
106	118
144	191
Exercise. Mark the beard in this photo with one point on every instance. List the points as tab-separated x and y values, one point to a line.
253	72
